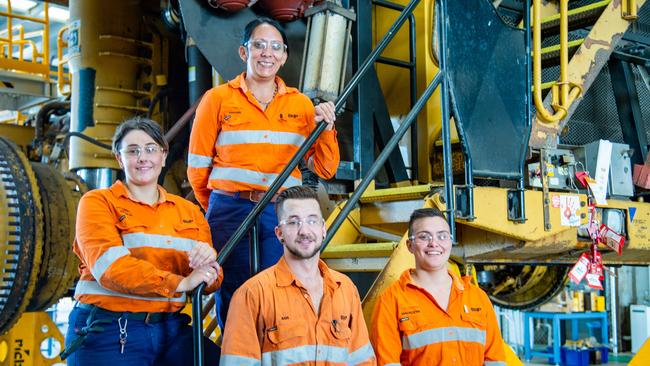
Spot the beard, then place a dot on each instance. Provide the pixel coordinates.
(308, 255)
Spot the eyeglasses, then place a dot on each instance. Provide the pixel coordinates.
(425, 237)
(295, 224)
(277, 47)
(136, 151)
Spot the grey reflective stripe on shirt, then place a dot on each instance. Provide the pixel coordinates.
(494, 363)
(228, 360)
(199, 161)
(439, 335)
(392, 364)
(106, 259)
(140, 240)
(250, 177)
(305, 354)
(94, 288)
(259, 137)
(363, 353)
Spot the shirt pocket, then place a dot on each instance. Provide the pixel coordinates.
(128, 224)
(286, 335)
(188, 230)
(341, 334)
(233, 118)
(475, 337)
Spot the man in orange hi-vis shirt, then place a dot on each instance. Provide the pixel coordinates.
(298, 312)
(244, 134)
(430, 316)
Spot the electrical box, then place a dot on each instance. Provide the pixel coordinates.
(620, 170)
(640, 325)
(560, 168)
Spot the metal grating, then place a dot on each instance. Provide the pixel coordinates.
(597, 117)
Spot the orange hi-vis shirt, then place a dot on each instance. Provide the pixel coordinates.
(410, 328)
(271, 321)
(235, 145)
(133, 255)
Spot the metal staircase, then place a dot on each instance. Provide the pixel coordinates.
(593, 30)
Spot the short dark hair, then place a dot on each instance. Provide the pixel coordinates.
(422, 213)
(294, 193)
(252, 25)
(146, 125)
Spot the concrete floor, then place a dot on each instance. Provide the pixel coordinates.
(620, 359)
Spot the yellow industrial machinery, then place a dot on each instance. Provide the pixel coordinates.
(127, 58)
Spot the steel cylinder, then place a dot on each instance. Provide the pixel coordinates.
(110, 63)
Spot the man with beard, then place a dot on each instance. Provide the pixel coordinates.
(298, 311)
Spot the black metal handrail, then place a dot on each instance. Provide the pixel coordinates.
(251, 218)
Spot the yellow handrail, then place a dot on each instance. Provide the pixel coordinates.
(63, 79)
(563, 92)
(10, 41)
(628, 10)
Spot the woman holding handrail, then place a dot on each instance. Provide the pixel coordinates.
(244, 134)
(141, 249)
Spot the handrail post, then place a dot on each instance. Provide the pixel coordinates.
(444, 109)
(197, 324)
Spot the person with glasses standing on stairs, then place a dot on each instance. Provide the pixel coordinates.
(298, 312)
(141, 249)
(431, 316)
(244, 134)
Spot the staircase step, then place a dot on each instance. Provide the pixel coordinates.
(551, 55)
(578, 18)
(366, 250)
(363, 257)
(396, 194)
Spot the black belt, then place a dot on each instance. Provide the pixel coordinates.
(148, 318)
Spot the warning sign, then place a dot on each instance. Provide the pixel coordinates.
(569, 206)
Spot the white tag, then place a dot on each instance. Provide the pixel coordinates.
(601, 175)
(580, 269)
(593, 280)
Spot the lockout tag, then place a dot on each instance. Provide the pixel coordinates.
(596, 265)
(599, 189)
(580, 269)
(612, 239)
(593, 281)
(581, 177)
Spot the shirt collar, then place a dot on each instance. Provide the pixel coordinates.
(284, 277)
(119, 190)
(406, 280)
(239, 82)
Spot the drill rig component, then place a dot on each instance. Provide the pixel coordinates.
(58, 270)
(21, 235)
(521, 287)
(37, 210)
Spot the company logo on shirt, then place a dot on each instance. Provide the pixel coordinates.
(475, 309)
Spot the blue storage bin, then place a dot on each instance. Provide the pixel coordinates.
(574, 357)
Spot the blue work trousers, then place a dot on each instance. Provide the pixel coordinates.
(225, 214)
(168, 342)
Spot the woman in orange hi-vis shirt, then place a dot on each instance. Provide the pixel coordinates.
(430, 316)
(141, 250)
(244, 134)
